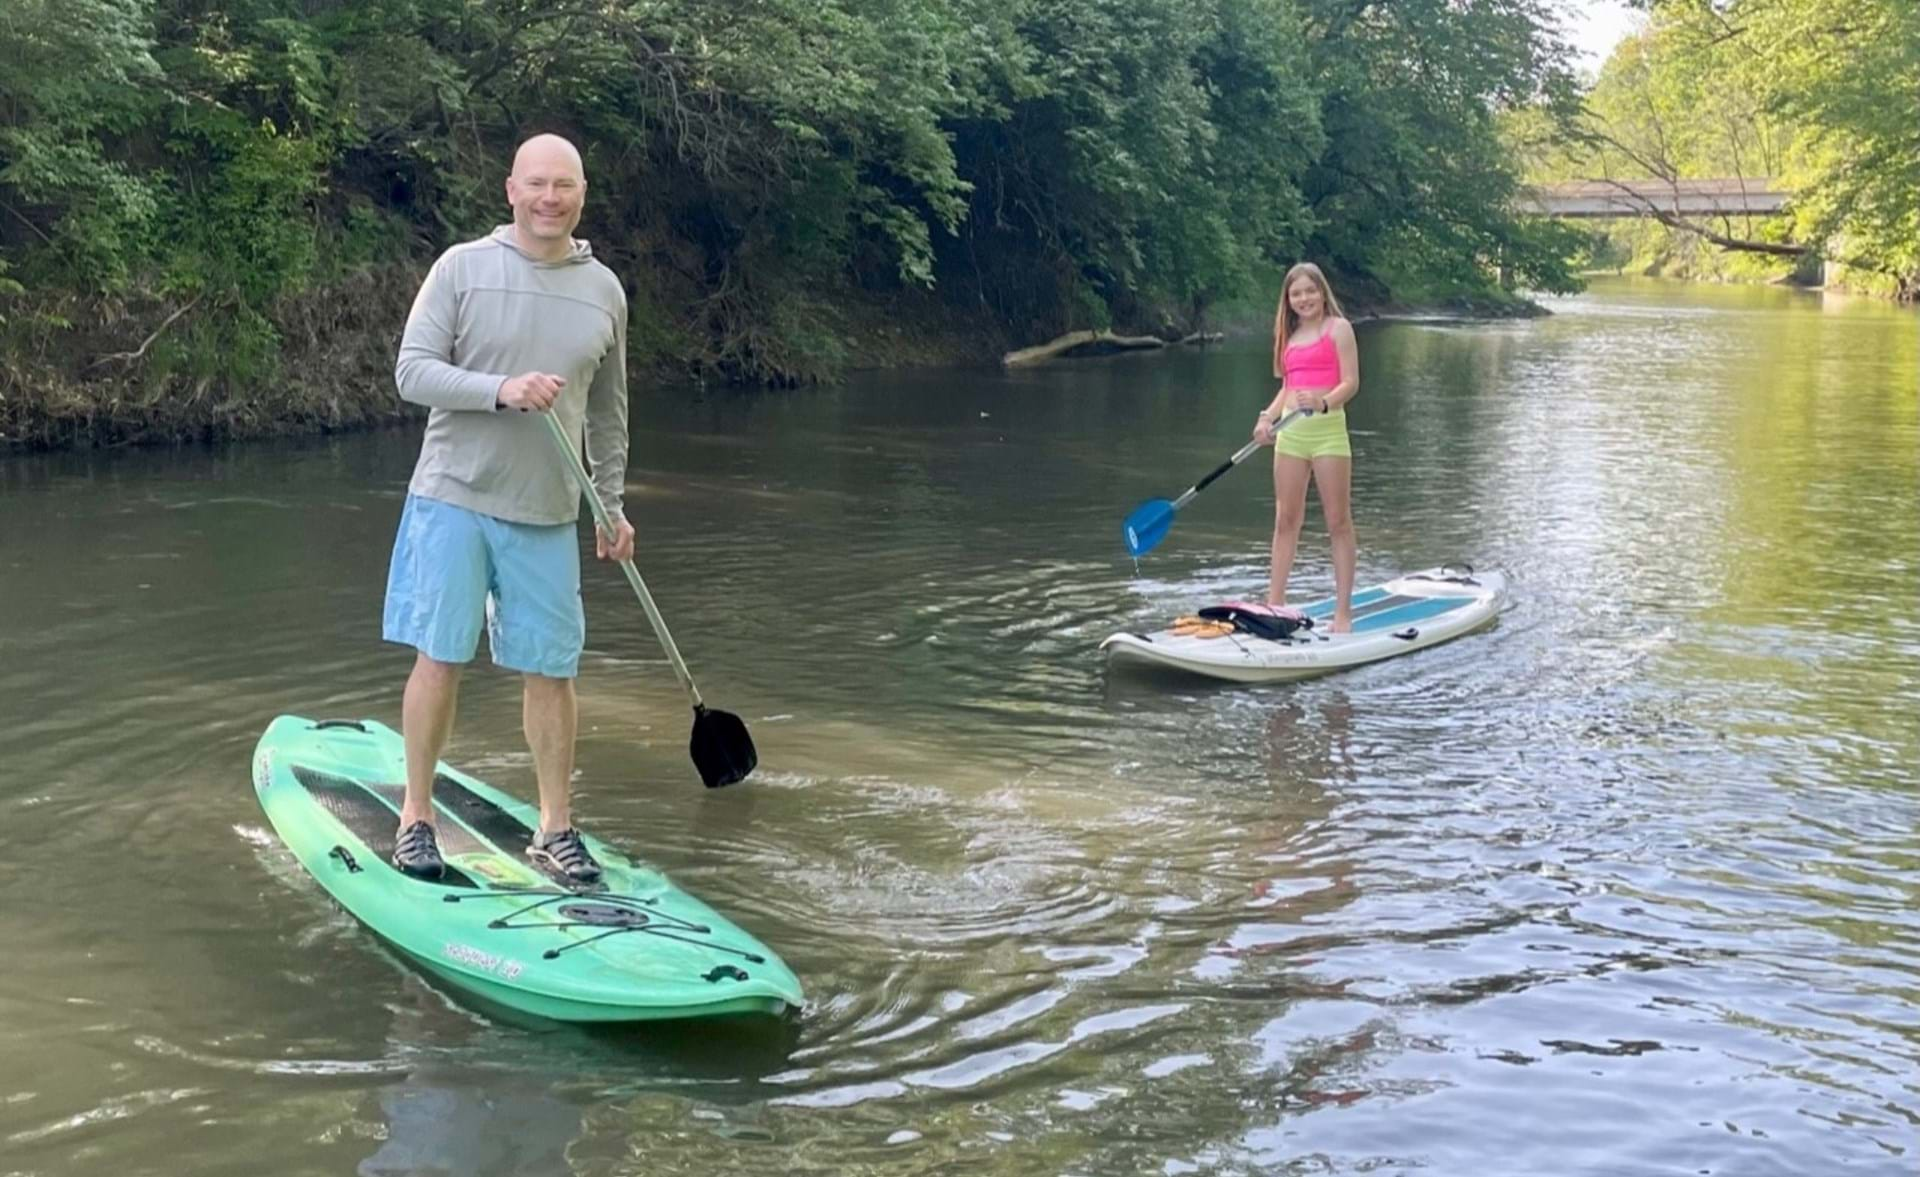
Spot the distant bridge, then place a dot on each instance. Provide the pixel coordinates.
(1750, 196)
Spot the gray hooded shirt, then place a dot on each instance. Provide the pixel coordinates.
(488, 312)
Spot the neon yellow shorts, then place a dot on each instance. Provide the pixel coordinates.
(1323, 435)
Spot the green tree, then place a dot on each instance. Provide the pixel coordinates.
(75, 78)
(1415, 186)
(1136, 159)
(1817, 96)
(1842, 75)
(211, 212)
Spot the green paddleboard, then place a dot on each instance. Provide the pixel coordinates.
(631, 948)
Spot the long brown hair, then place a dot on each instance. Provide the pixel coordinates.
(1284, 320)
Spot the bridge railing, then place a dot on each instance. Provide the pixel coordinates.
(1748, 196)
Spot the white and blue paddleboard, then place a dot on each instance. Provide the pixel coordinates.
(1409, 613)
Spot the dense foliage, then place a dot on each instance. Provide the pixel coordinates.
(212, 214)
(1817, 95)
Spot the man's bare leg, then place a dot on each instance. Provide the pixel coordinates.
(552, 721)
(551, 718)
(426, 722)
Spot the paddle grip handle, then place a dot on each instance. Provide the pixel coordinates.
(604, 522)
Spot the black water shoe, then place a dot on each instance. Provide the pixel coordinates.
(564, 855)
(417, 852)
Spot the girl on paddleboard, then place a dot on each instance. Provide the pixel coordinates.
(1318, 365)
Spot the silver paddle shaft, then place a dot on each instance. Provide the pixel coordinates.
(605, 524)
(1238, 457)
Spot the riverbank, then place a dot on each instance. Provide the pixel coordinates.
(1649, 249)
(120, 376)
(115, 378)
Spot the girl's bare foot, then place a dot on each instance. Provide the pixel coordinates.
(1342, 621)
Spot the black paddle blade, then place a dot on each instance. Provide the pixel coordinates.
(722, 750)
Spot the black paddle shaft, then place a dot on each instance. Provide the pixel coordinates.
(1217, 471)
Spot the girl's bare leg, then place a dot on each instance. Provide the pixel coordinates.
(1289, 508)
(1333, 478)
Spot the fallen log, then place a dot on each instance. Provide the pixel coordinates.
(1102, 342)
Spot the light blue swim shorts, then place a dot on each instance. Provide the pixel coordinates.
(455, 570)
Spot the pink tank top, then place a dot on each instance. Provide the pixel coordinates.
(1311, 366)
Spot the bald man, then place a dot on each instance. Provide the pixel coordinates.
(521, 322)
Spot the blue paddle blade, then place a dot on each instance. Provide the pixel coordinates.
(1147, 526)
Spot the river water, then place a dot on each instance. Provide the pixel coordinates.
(1628, 884)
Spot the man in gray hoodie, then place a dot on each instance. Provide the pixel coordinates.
(521, 322)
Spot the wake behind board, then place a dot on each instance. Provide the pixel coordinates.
(1398, 617)
(631, 948)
